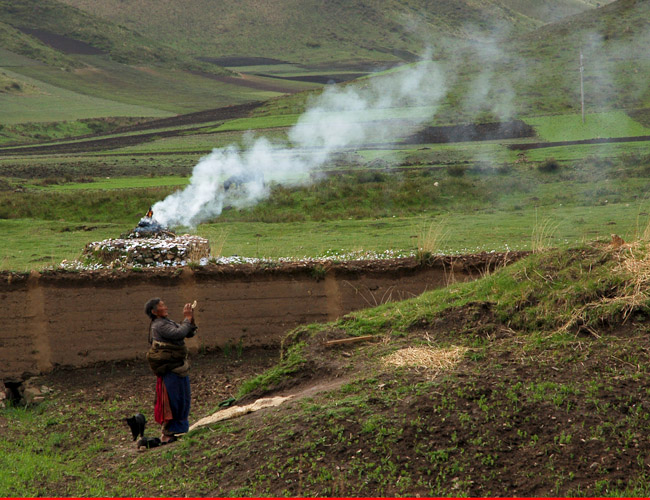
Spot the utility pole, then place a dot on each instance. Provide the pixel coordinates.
(582, 89)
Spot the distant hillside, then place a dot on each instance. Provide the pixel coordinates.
(18, 42)
(53, 33)
(310, 31)
(502, 75)
(501, 59)
(614, 42)
(549, 11)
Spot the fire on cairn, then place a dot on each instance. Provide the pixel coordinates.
(149, 244)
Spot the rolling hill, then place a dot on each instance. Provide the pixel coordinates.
(32, 28)
(312, 32)
(500, 59)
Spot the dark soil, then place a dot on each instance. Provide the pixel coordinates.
(475, 430)
(324, 79)
(242, 61)
(62, 43)
(472, 132)
(215, 376)
(209, 115)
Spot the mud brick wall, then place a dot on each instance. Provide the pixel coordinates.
(77, 319)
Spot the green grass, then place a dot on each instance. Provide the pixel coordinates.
(263, 122)
(343, 32)
(288, 120)
(482, 210)
(36, 244)
(115, 183)
(57, 104)
(34, 463)
(570, 127)
(527, 303)
(579, 152)
(46, 131)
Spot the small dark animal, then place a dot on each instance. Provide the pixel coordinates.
(136, 423)
(149, 442)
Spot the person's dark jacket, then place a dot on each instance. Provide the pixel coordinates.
(166, 330)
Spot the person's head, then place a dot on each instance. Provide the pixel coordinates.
(155, 308)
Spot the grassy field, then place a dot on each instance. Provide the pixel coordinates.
(475, 187)
(348, 213)
(166, 90)
(54, 103)
(571, 128)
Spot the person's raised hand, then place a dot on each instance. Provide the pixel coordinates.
(188, 312)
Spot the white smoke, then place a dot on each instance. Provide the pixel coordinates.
(340, 118)
(490, 90)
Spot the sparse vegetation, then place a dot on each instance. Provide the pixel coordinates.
(549, 166)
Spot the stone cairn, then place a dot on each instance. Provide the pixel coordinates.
(146, 252)
(149, 244)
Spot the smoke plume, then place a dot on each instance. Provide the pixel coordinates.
(339, 118)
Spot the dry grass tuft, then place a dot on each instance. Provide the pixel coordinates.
(543, 235)
(428, 359)
(636, 263)
(218, 243)
(197, 250)
(431, 238)
(645, 236)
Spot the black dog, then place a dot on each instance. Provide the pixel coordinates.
(136, 423)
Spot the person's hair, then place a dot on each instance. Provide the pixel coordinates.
(150, 306)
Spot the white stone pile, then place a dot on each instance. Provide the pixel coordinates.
(148, 252)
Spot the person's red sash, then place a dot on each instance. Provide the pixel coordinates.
(162, 410)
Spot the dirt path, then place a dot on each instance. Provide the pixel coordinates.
(601, 140)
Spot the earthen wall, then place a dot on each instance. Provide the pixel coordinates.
(80, 319)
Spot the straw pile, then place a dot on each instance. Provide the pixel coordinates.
(428, 359)
(636, 263)
(632, 295)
